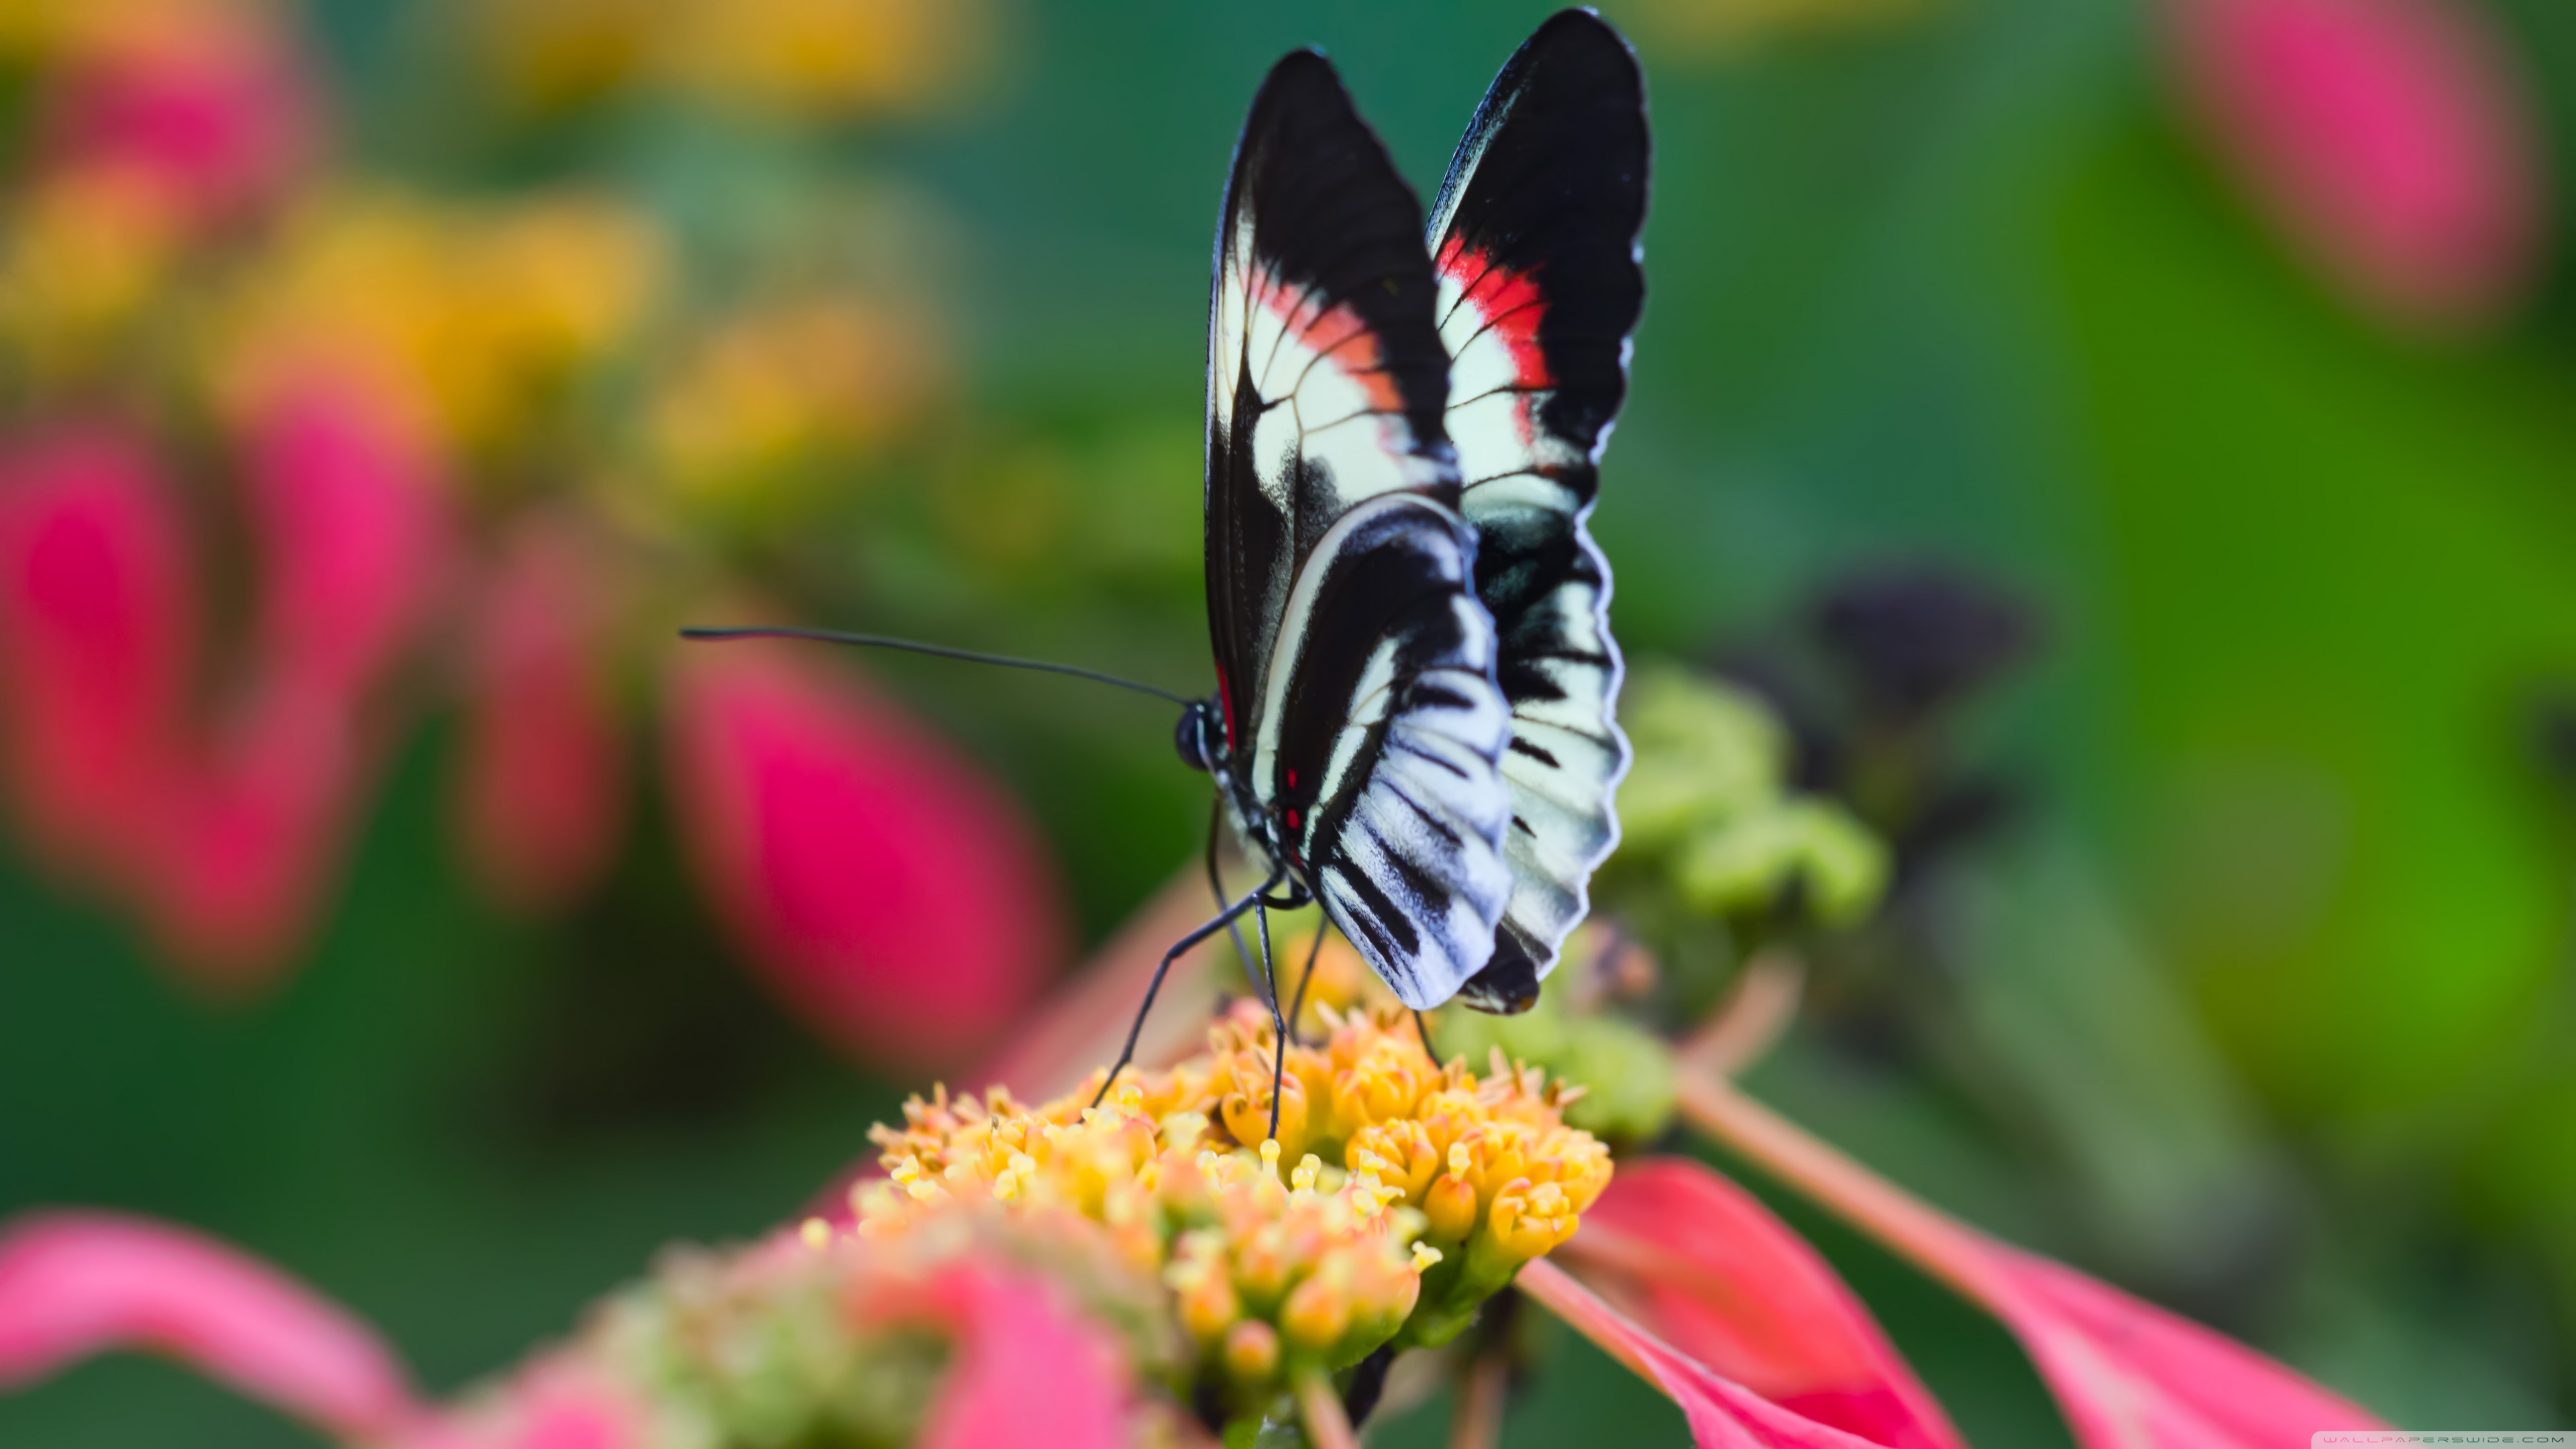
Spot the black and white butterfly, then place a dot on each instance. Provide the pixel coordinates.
(1414, 718)
(1413, 724)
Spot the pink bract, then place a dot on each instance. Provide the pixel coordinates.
(211, 106)
(1709, 1269)
(1722, 1414)
(96, 596)
(2391, 140)
(2128, 1375)
(542, 800)
(352, 531)
(883, 884)
(77, 1284)
(352, 538)
(1028, 1369)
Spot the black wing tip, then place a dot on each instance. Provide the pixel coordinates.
(1307, 62)
(1304, 76)
(1581, 34)
(1583, 20)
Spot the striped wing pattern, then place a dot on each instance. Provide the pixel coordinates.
(1534, 242)
(1363, 720)
(1379, 739)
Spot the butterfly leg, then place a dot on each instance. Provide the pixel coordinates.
(1278, 1024)
(1223, 919)
(1422, 1029)
(1216, 884)
(1297, 1007)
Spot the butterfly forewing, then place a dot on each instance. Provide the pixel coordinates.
(1534, 242)
(1362, 718)
(1326, 376)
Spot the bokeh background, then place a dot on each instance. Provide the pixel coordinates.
(2129, 448)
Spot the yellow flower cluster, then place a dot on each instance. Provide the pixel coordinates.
(766, 391)
(794, 59)
(1398, 1195)
(472, 318)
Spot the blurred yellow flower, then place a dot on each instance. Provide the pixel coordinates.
(81, 256)
(796, 59)
(1720, 27)
(473, 320)
(734, 424)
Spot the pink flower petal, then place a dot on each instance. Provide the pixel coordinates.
(353, 545)
(352, 532)
(542, 804)
(885, 886)
(552, 1405)
(209, 103)
(1711, 1271)
(1027, 1369)
(2391, 139)
(96, 595)
(2129, 1375)
(249, 831)
(76, 1284)
(1723, 1414)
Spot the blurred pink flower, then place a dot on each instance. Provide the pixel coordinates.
(541, 806)
(208, 104)
(77, 1284)
(1026, 1367)
(351, 530)
(96, 598)
(223, 834)
(1029, 1368)
(1707, 1268)
(352, 542)
(548, 1405)
(2390, 139)
(881, 881)
(2127, 1374)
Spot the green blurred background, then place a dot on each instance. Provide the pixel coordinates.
(2257, 998)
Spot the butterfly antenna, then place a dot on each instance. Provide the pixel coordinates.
(915, 646)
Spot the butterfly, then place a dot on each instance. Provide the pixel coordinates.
(1414, 721)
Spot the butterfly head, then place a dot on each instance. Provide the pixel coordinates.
(1196, 736)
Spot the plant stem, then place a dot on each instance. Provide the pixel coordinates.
(1746, 1024)
(1319, 1405)
(1478, 1424)
(1940, 1245)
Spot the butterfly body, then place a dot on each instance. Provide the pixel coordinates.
(1413, 721)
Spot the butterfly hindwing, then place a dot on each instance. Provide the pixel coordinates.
(1534, 241)
(1362, 720)
(1379, 742)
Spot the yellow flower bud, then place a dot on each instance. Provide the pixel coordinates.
(1450, 1206)
(1251, 1351)
(1318, 1311)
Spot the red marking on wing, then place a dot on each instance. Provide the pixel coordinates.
(1510, 304)
(1338, 334)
